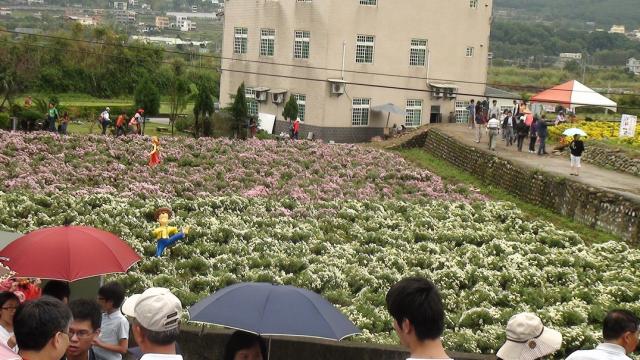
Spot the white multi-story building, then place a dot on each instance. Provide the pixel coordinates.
(120, 5)
(341, 58)
(634, 66)
(185, 24)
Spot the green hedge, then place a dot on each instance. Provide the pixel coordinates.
(4, 121)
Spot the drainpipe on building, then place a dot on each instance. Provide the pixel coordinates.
(344, 49)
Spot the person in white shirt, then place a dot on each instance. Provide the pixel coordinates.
(104, 120)
(418, 317)
(620, 334)
(494, 110)
(493, 125)
(528, 338)
(8, 304)
(156, 326)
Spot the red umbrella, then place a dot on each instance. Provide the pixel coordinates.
(68, 253)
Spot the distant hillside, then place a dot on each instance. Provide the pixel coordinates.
(603, 12)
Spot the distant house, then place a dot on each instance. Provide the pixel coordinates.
(125, 17)
(185, 24)
(120, 5)
(634, 66)
(617, 29)
(503, 97)
(162, 22)
(5, 12)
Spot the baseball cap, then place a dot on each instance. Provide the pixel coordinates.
(528, 339)
(156, 309)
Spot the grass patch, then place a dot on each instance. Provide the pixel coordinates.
(453, 175)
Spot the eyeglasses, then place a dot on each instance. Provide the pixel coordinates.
(81, 334)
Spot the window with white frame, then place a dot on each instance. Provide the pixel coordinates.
(301, 100)
(301, 44)
(240, 37)
(360, 112)
(368, 2)
(252, 104)
(418, 55)
(364, 49)
(303, 1)
(413, 115)
(470, 51)
(473, 4)
(267, 42)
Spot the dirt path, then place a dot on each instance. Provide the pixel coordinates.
(597, 177)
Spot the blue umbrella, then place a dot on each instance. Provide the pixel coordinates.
(273, 310)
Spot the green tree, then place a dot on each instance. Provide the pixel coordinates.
(147, 96)
(178, 90)
(203, 105)
(291, 109)
(573, 67)
(239, 110)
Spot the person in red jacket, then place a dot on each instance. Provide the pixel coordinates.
(296, 129)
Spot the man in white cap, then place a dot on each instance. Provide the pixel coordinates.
(620, 332)
(528, 339)
(157, 323)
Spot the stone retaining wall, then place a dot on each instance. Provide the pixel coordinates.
(595, 208)
(611, 159)
(210, 346)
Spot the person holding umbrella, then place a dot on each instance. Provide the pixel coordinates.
(245, 346)
(577, 148)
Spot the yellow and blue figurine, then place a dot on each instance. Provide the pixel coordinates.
(166, 235)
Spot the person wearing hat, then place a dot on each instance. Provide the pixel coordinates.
(620, 331)
(528, 339)
(156, 324)
(104, 120)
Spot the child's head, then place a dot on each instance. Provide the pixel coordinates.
(154, 139)
(110, 296)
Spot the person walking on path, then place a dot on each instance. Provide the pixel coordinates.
(104, 120)
(577, 148)
(494, 126)
(511, 123)
(522, 130)
(472, 114)
(479, 122)
(494, 110)
(533, 135)
(541, 128)
(296, 129)
(52, 116)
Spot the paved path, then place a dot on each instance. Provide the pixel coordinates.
(595, 176)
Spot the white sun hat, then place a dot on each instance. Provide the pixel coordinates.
(528, 339)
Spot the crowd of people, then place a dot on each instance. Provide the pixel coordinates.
(50, 327)
(518, 124)
(56, 122)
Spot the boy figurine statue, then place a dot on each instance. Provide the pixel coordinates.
(166, 235)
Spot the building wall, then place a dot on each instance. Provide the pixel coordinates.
(449, 29)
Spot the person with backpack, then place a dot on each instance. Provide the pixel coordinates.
(104, 120)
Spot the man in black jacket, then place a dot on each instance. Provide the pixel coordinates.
(577, 148)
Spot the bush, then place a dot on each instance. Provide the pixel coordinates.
(184, 123)
(207, 127)
(4, 121)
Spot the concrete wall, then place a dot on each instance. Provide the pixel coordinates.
(210, 346)
(448, 27)
(592, 207)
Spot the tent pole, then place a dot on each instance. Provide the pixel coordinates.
(269, 351)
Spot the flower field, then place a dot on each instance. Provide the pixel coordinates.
(597, 130)
(345, 221)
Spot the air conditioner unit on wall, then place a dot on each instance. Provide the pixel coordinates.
(437, 93)
(261, 93)
(337, 86)
(277, 98)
